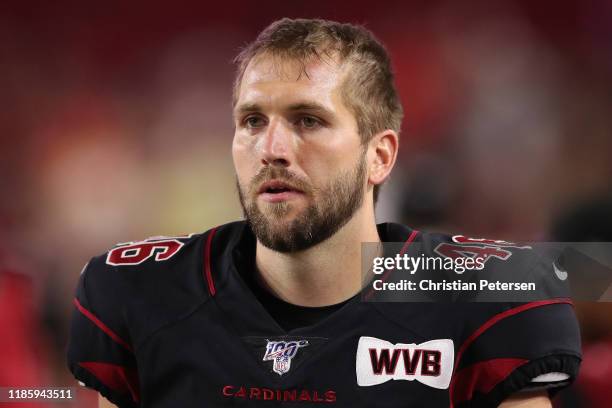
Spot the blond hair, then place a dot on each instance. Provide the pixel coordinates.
(368, 89)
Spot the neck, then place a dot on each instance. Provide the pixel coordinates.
(326, 274)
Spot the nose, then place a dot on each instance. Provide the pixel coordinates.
(277, 145)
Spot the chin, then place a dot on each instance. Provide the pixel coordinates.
(282, 211)
(280, 222)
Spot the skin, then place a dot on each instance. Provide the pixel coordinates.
(315, 145)
(528, 400)
(277, 127)
(103, 403)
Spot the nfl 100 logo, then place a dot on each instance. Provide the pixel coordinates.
(281, 353)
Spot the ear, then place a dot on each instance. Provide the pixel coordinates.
(382, 153)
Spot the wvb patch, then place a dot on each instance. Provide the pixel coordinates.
(379, 361)
(283, 354)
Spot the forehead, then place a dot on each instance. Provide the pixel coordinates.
(276, 80)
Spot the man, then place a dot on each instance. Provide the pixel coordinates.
(271, 311)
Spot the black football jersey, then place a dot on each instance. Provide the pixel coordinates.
(170, 322)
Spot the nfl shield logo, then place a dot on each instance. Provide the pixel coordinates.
(281, 353)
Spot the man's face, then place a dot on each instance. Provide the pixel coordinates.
(300, 164)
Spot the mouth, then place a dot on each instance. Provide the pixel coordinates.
(277, 190)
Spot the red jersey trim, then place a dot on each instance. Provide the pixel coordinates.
(487, 325)
(386, 275)
(484, 376)
(208, 261)
(102, 326)
(118, 378)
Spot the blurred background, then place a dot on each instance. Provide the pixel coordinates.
(115, 125)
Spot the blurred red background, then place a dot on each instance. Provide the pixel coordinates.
(116, 125)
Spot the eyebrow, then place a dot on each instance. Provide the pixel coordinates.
(246, 108)
(313, 107)
(310, 107)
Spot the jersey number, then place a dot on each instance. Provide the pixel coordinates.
(477, 247)
(137, 253)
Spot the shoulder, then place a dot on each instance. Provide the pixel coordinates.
(503, 271)
(162, 274)
(131, 267)
(508, 340)
(454, 245)
(491, 300)
(147, 265)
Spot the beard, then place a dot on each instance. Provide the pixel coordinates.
(331, 207)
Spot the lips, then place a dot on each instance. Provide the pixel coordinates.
(276, 191)
(277, 187)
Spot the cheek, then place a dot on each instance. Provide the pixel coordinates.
(326, 161)
(242, 159)
(236, 151)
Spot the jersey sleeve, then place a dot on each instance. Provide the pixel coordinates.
(99, 351)
(527, 346)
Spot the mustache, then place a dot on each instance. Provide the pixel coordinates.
(280, 174)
